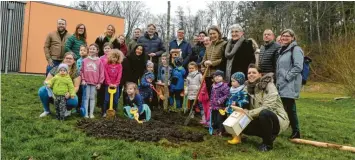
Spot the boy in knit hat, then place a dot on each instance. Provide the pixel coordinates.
(61, 84)
(177, 84)
(145, 88)
(238, 97)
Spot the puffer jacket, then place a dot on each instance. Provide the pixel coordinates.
(177, 79)
(193, 81)
(152, 45)
(215, 53)
(266, 97)
(268, 57)
(73, 44)
(219, 95)
(288, 73)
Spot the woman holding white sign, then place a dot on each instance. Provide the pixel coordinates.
(266, 110)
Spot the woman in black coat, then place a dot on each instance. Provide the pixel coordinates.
(137, 61)
(239, 52)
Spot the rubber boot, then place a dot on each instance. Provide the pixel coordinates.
(235, 140)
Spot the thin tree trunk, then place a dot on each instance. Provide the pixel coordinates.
(344, 19)
(310, 23)
(166, 88)
(318, 31)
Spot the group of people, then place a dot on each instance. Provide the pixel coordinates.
(238, 76)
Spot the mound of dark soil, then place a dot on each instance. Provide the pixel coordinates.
(162, 125)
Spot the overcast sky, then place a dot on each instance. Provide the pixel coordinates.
(158, 6)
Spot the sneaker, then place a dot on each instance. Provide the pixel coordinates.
(45, 113)
(295, 135)
(86, 117)
(92, 116)
(264, 147)
(67, 113)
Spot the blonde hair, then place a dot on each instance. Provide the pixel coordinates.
(115, 53)
(131, 84)
(113, 34)
(193, 64)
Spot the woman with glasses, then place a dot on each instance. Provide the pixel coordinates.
(289, 78)
(46, 97)
(74, 42)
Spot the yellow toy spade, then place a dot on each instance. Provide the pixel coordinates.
(110, 112)
(134, 111)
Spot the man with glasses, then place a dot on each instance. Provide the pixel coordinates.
(185, 47)
(54, 45)
(268, 53)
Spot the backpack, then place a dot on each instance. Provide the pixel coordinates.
(306, 66)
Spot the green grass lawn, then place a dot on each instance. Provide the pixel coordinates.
(25, 135)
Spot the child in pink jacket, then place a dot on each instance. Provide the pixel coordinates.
(113, 74)
(92, 75)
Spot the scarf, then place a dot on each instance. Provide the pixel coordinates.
(251, 86)
(216, 85)
(234, 90)
(229, 54)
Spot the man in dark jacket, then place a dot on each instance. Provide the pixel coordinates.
(133, 43)
(198, 51)
(268, 53)
(185, 47)
(54, 47)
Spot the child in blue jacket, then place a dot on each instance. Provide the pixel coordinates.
(177, 84)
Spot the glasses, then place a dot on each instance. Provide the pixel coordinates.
(69, 58)
(81, 28)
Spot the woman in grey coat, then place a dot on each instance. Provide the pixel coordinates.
(289, 78)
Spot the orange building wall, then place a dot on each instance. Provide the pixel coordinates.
(41, 18)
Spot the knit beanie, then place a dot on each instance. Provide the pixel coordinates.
(218, 73)
(178, 61)
(150, 63)
(149, 75)
(63, 65)
(239, 77)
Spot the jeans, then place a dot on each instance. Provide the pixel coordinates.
(107, 99)
(55, 63)
(178, 98)
(45, 99)
(89, 96)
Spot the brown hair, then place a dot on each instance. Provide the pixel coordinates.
(121, 35)
(252, 65)
(83, 37)
(107, 44)
(289, 31)
(193, 64)
(215, 28)
(115, 53)
(128, 84)
(72, 70)
(84, 46)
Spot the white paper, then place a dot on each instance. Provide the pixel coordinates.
(244, 121)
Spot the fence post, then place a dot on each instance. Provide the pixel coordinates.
(10, 7)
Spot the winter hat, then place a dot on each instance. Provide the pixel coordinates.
(63, 65)
(239, 77)
(149, 75)
(218, 73)
(178, 61)
(149, 63)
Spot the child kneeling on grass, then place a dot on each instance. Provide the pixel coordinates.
(134, 101)
(238, 97)
(61, 84)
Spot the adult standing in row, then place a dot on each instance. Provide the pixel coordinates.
(198, 51)
(289, 78)
(54, 47)
(131, 45)
(268, 53)
(122, 43)
(214, 55)
(137, 62)
(153, 46)
(239, 52)
(74, 42)
(184, 46)
(108, 36)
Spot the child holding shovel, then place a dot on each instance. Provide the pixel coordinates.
(193, 83)
(134, 104)
(113, 74)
